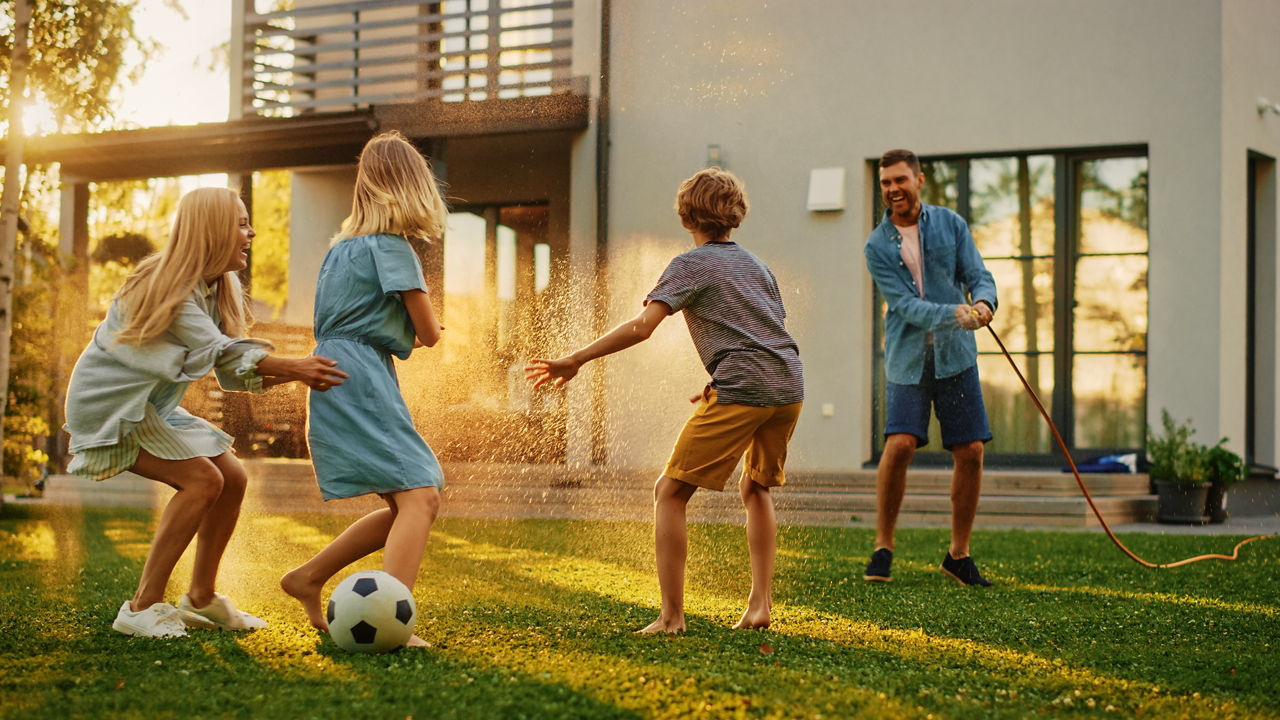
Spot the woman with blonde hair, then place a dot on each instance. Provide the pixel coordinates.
(371, 304)
(180, 314)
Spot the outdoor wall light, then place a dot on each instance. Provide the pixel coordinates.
(826, 189)
(1265, 105)
(714, 158)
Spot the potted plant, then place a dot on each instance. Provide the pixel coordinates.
(1223, 468)
(1178, 470)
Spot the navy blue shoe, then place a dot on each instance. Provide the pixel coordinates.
(878, 568)
(963, 571)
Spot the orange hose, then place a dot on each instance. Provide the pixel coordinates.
(1056, 436)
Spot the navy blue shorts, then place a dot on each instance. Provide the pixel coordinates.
(957, 400)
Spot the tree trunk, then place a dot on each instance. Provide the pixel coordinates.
(9, 202)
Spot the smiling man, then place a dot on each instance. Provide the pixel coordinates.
(938, 291)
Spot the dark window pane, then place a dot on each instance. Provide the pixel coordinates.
(1011, 203)
(941, 186)
(1024, 319)
(1111, 304)
(1113, 206)
(1015, 423)
(1110, 400)
(993, 205)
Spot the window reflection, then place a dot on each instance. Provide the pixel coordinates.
(1109, 318)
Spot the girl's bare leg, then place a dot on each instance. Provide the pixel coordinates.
(362, 537)
(199, 484)
(415, 512)
(216, 528)
(762, 541)
(671, 549)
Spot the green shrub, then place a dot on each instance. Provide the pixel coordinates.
(1222, 465)
(1173, 455)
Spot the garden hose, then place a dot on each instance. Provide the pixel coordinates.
(1079, 481)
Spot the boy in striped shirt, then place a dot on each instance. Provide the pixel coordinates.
(735, 316)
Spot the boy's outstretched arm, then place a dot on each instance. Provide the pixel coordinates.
(633, 331)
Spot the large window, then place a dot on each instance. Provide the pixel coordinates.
(1065, 236)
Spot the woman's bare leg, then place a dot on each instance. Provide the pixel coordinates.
(199, 484)
(216, 528)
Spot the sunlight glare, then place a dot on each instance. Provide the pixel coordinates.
(38, 119)
(34, 543)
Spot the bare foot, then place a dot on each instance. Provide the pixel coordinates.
(308, 594)
(661, 625)
(753, 620)
(415, 641)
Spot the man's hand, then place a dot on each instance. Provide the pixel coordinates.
(558, 371)
(968, 318)
(984, 311)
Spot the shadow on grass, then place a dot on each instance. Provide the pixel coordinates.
(534, 618)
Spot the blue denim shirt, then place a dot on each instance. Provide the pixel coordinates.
(953, 274)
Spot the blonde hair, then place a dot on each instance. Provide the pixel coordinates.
(204, 239)
(395, 192)
(713, 202)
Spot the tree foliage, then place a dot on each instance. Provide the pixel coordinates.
(77, 59)
(271, 246)
(31, 414)
(78, 55)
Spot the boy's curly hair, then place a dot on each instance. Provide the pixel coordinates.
(713, 201)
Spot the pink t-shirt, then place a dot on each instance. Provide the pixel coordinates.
(911, 254)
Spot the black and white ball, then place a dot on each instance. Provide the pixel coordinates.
(371, 612)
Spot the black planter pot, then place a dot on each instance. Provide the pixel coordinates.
(1181, 503)
(1215, 503)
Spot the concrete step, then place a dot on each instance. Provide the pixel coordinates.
(1039, 483)
(491, 490)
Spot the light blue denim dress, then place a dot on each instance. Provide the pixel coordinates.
(361, 436)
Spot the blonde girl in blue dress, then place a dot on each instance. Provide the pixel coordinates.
(179, 315)
(371, 303)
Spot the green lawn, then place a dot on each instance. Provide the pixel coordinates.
(534, 619)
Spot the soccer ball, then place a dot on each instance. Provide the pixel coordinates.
(371, 612)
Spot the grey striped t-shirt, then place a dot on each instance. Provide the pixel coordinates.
(734, 312)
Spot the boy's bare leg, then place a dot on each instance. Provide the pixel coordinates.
(199, 483)
(216, 528)
(671, 547)
(762, 541)
(966, 487)
(362, 537)
(891, 485)
(415, 512)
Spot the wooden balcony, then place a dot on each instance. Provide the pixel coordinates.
(346, 56)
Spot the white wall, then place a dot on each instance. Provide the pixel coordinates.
(786, 87)
(319, 200)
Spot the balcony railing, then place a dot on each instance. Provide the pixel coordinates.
(350, 55)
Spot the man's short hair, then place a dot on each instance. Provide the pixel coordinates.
(893, 157)
(713, 201)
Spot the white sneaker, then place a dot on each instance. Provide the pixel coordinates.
(219, 614)
(159, 620)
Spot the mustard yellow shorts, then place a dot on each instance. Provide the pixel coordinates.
(714, 439)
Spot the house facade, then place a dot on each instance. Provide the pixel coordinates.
(1116, 162)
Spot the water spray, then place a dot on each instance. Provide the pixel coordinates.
(1079, 481)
